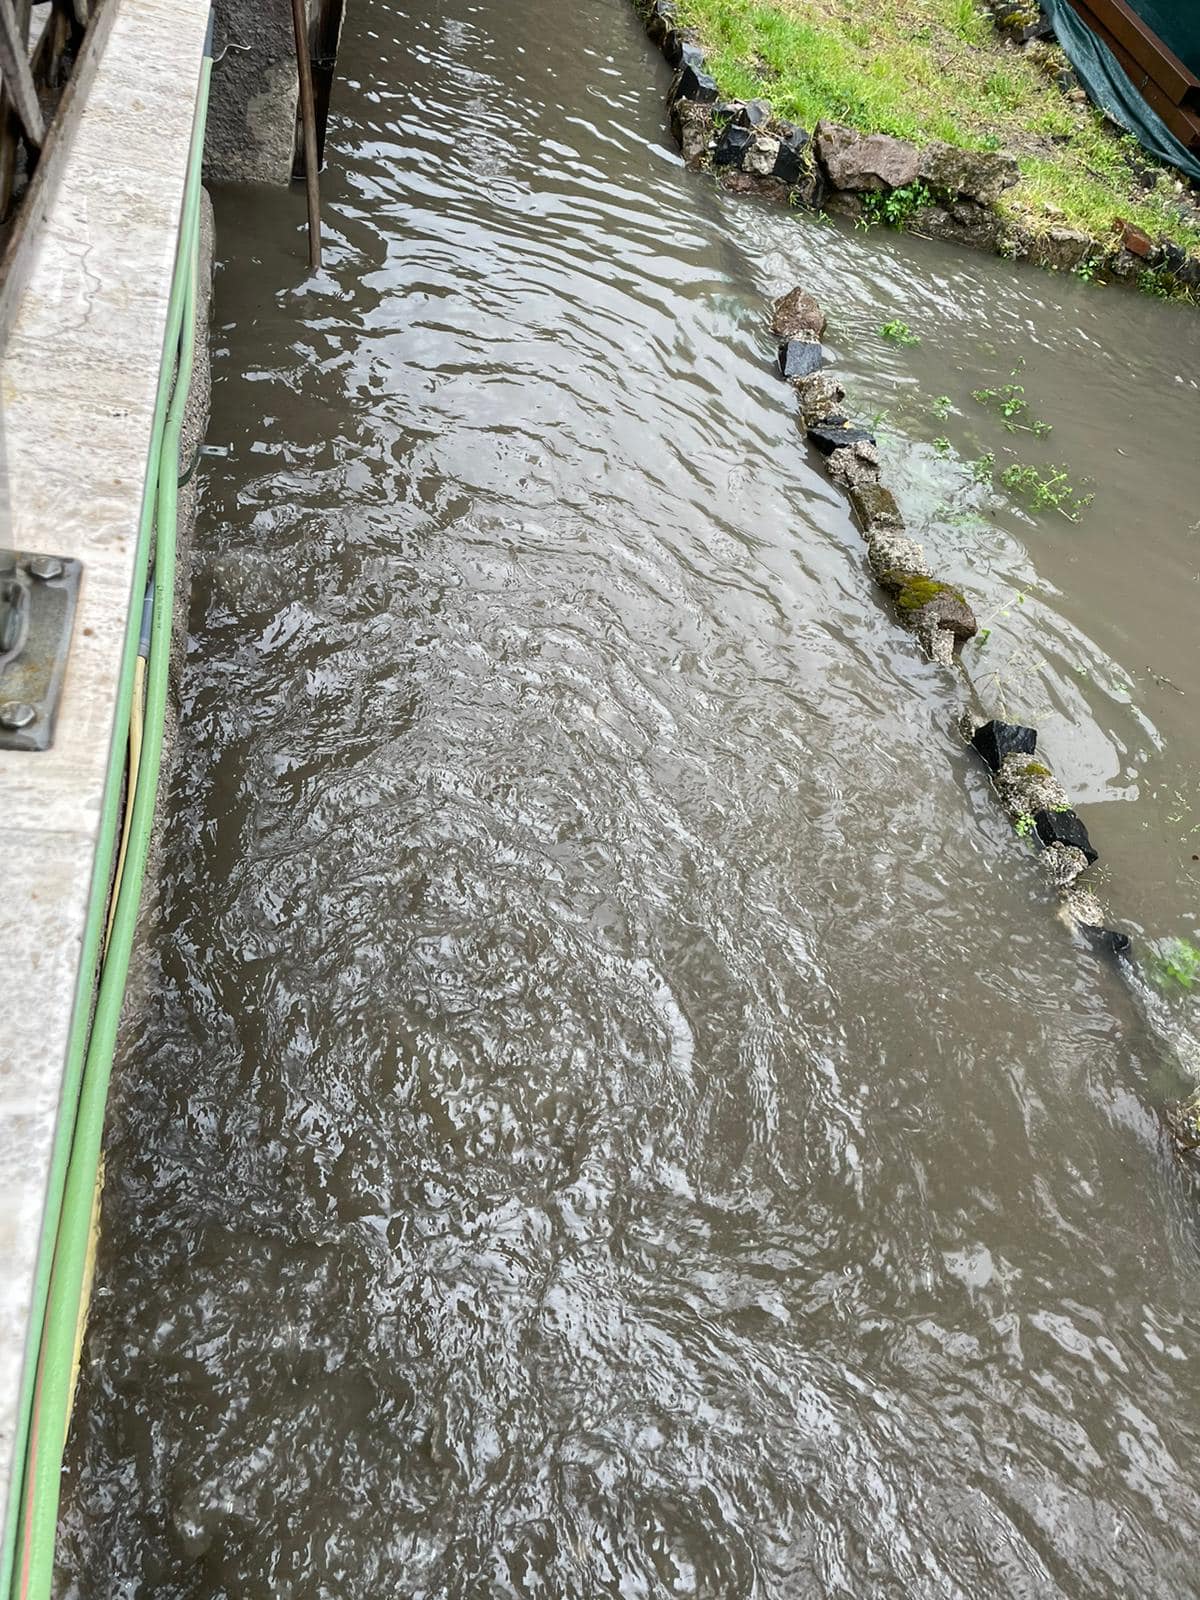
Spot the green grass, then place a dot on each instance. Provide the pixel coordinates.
(936, 69)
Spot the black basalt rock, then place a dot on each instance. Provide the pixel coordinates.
(790, 164)
(693, 83)
(995, 740)
(679, 45)
(835, 433)
(1064, 827)
(660, 20)
(1110, 939)
(798, 358)
(732, 145)
(754, 114)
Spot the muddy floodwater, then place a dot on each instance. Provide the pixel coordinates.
(617, 1112)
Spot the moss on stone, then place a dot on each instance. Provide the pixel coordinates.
(918, 592)
(1035, 769)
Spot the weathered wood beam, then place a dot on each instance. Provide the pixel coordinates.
(18, 79)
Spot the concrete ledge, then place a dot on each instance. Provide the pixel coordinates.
(86, 316)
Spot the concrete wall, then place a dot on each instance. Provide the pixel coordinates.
(255, 90)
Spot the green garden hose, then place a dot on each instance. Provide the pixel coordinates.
(27, 1559)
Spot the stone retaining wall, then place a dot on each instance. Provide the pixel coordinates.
(937, 190)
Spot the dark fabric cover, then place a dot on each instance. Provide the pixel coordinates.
(1105, 80)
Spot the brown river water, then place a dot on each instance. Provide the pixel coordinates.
(617, 1112)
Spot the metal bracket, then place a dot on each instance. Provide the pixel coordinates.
(37, 609)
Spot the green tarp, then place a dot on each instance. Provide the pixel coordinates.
(1108, 86)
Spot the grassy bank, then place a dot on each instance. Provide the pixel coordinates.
(937, 69)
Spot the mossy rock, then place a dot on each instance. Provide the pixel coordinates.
(915, 593)
(927, 604)
(1035, 769)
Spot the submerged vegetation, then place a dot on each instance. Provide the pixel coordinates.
(929, 70)
(898, 332)
(1175, 964)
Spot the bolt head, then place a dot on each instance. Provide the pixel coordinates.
(16, 714)
(46, 567)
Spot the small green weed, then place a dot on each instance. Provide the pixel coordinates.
(897, 206)
(1024, 824)
(898, 332)
(1048, 491)
(941, 407)
(1012, 405)
(982, 469)
(1174, 964)
(942, 446)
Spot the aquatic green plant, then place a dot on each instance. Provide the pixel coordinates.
(898, 332)
(1051, 490)
(1024, 824)
(982, 469)
(941, 407)
(942, 446)
(1012, 405)
(1174, 963)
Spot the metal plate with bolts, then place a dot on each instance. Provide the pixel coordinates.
(37, 609)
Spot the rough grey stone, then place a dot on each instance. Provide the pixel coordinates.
(692, 125)
(1060, 248)
(796, 313)
(760, 159)
(799, 358)
(1064, 863)
(773, 190)
(964, 222)
(853, 464)
(1026, 787)
(979, 174)
(876, 506)
(1084, 906)
(894, 558)
(866, 161)
(820, 395)
(946, 612)
(940, 644)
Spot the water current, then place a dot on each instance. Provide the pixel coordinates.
(617, 1112)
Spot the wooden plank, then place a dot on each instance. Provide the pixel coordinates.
(18, 80)
(1115, 20)
(1182, 120)
(9, 125)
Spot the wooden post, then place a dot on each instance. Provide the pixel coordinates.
(18, 80)
(308, 118)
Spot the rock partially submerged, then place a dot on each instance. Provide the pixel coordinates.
(995, 740)
(1026, 787)
(896, 560)
(797, 314)
(835, 433)
(1064, 863)
(799, 358)
(876, 507)
(854, 464)
(1064, 827)
(692, 125)
(820, 395)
